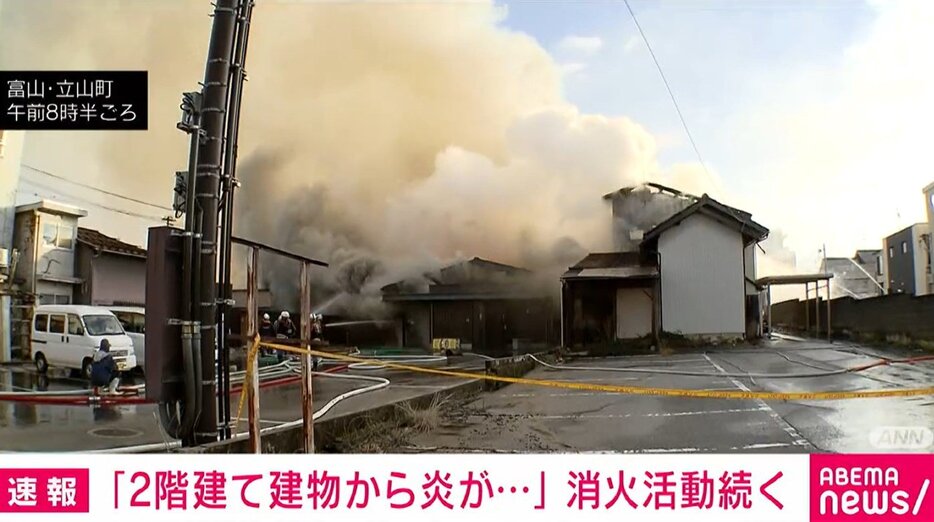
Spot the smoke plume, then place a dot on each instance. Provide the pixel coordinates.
(386, 139)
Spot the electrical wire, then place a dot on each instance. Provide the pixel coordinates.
(92, 187)
(84, 201)
(671, 93)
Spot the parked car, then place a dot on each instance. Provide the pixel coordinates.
(133, 319)
(66, 336)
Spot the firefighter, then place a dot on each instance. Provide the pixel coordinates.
(317, 327)
(317, 337)
(265, 327)
(266, 331)
(284, 327)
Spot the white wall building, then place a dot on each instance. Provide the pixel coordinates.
(702, 278)
(708, 270)
(11, 150)
(693, 275)
(929, 205)
(45, 235)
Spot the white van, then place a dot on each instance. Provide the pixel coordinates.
(133, 319)
(67, 336)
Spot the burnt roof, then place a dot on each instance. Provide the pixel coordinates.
(476, 276)
(486, 264)
(657, 186)
(615, 259)
(724, 214)
(104, 243)
(614, 265)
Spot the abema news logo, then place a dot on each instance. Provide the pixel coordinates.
(871, 488)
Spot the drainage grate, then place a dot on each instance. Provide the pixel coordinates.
(115, 433)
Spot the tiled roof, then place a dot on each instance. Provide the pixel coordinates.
(614, 259)
(472, 276)
(98, 241)
(614, 265)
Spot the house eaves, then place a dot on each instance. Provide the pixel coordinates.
(730, 217)
(104, 243)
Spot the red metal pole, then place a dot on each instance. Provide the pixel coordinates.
(829, 331)
(308, 433)
(252, 313)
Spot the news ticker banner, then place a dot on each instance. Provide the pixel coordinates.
(74, 100)
(714, 487)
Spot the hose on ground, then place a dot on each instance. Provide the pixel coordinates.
(401, 359)
(380, 383)
(744, 375)
(270, 376)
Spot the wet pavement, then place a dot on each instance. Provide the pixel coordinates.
(522, 418)
(43, 427)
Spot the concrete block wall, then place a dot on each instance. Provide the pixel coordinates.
(894, 315)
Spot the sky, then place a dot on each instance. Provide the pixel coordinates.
(812, 115)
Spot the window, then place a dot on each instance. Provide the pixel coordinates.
(57, 323)
(879, 265)
(58, 236)
(49, 234)
(102, 325)
(132, 322)
(891, 252)
(904, 247)
(42, 322)
(66, 237)
(74, 325)
(54, 299)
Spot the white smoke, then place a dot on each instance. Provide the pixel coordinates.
(387, 139)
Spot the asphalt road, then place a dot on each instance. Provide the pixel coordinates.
(42, 427)
(523, 418)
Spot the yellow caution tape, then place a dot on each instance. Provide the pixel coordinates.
(631, 390)
(248, 378)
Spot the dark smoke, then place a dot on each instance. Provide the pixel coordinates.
(305, 220)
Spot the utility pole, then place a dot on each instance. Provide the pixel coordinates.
(228, 184)
(189, 366)
(207, 192)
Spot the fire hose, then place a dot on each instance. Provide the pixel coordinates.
(380, 383)
(271, 376)
(402, 359)
(742, 375)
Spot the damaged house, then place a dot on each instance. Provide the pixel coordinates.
(859, 277)
(685, 265)
(492, 308)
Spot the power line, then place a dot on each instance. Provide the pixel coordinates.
(92, 187)
(85, 201)
(670, 92)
